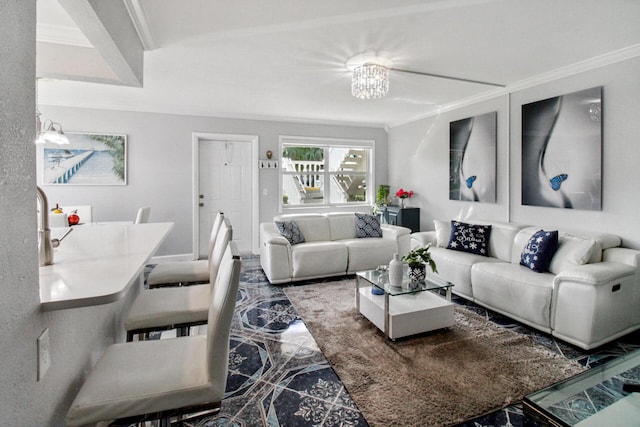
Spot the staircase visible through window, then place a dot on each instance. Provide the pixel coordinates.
(320, 171)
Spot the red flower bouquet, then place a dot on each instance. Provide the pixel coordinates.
(404, 194)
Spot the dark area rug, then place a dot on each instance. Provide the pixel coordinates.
(434, 379)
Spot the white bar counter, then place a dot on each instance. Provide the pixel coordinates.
(98, 263)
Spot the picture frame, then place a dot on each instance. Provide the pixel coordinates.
(88, 159)
(562, 151)
(472, 158)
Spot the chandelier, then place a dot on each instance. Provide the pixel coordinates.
(370, 75)
(370, 81)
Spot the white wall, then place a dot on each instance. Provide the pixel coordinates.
(419, 158)
(160, 163)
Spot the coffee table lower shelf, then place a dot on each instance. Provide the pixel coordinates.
(409, 314)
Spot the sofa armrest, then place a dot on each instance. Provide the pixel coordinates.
(393, 231)
(423, 238)
(595, 303)
(275, 254)
(595, 274)
(401, 235)
(623, 255)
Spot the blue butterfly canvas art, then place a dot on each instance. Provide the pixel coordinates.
(557, 181)
(470, 181)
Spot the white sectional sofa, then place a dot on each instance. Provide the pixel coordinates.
(331, 247)
(589, 296)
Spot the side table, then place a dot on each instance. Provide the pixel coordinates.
(404, 217)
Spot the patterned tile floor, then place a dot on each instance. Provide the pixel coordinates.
(278, 377)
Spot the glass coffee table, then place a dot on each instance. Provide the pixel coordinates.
(597, 397)
(409, 309)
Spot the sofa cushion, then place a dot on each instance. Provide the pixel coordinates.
(455, 267)
(500, 243)
(367, 226)
(537, 254)
(366, 254)
(443, 232)
(342, 225)
(572, 251)
(316, 259)
(514, 290)
(470, 238)
(314, 227)
(603, 241)
(290, 231)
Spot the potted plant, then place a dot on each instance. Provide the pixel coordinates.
(417, 259)
(382, 200)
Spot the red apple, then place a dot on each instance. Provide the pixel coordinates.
(73, 219)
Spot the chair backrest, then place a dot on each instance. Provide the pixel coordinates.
(223, 303)
(142, 216)
(225, 235)
(217, 222)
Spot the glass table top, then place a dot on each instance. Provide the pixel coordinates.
(594, 396)
(380, 279)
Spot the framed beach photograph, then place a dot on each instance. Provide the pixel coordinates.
(472, 158)
(562, 151)
(89, 159)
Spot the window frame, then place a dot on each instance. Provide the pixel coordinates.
(325, 143)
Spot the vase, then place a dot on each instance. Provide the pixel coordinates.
(395, 271)
(402, 203)
(418, 274)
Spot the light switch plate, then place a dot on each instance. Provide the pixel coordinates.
(44, 356)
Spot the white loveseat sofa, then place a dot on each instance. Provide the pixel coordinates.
(331, 247)
(589, 296)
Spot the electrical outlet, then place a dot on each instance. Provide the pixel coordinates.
(44, 356)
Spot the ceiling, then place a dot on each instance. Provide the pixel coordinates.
(286, 59)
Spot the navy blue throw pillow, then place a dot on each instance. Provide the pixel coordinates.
(367, 226)
(539, 250)
(290, 231)
(470, 238)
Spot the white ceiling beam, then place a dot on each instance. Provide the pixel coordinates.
(141, 23)
(108, 27)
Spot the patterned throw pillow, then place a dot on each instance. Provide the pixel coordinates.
(469, 238)
(367, 226)
(539, 250)
(290, 231)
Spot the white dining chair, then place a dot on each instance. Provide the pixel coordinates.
(185, 272)
(142, 217)
(166, 378)
(178, 308)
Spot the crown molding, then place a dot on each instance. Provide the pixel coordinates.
(141, 23)
(604, 60)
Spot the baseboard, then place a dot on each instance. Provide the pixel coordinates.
(171, 258)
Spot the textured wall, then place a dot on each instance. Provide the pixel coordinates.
(78, 336)
(20, 322)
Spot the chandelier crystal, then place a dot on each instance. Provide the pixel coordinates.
(370, 81)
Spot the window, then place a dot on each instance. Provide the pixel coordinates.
(322, 171)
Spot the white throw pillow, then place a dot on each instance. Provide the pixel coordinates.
(443, 232)
(572, 251)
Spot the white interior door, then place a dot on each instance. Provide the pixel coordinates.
(225, 184)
